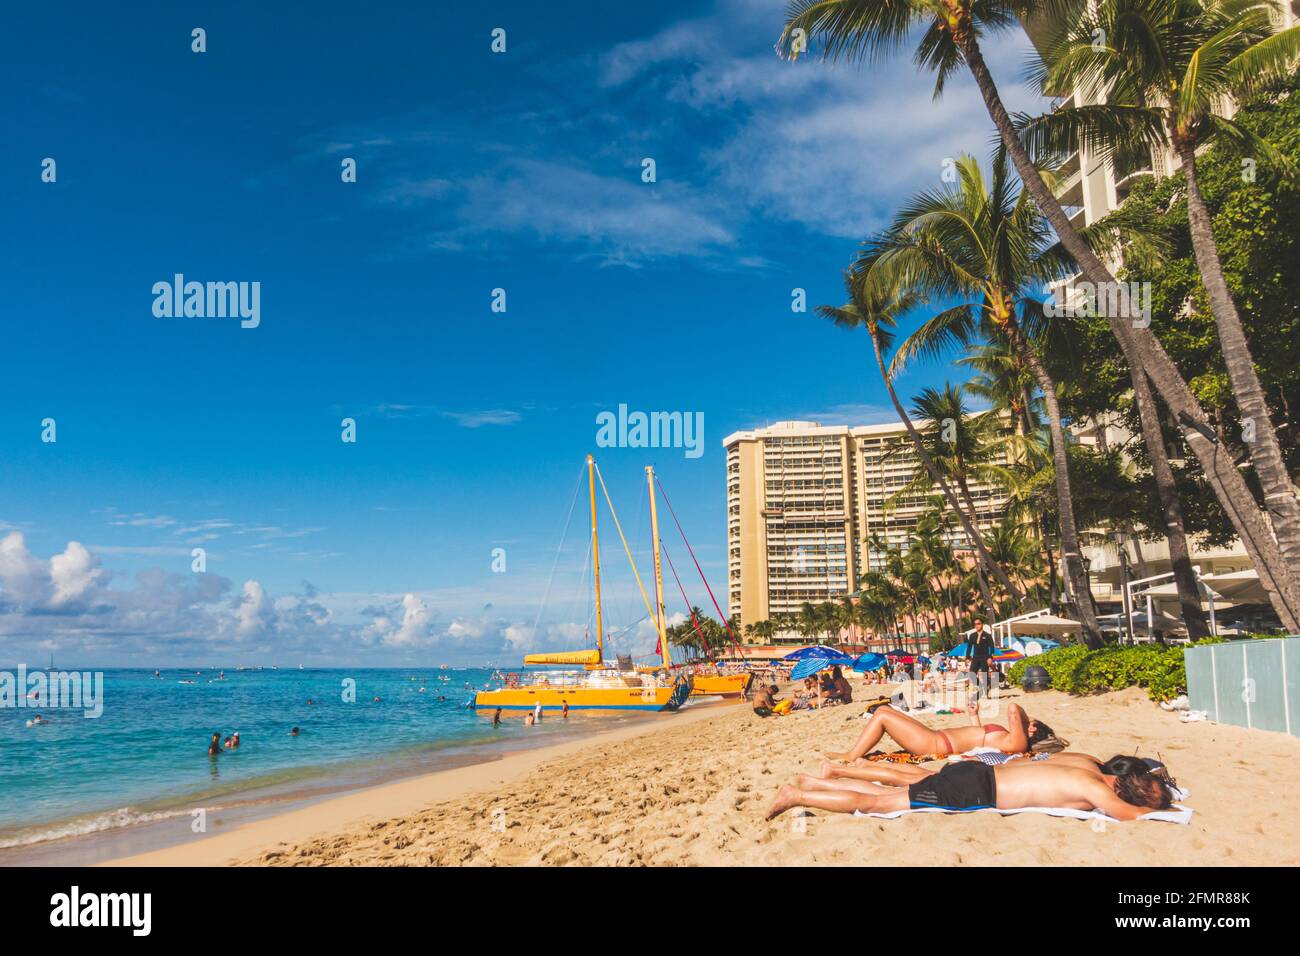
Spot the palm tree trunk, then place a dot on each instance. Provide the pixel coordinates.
(1189, 599)
(1071, 554)
(1142, 350)
(1265, 453)
(971, 531)
(964, 488)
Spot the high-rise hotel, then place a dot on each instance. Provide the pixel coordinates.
(805, 500)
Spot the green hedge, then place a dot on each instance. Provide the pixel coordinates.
(1076, 670)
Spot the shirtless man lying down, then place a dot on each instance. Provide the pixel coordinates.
(971, 785)
(903, 775)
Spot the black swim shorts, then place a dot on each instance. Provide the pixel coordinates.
(969, 785)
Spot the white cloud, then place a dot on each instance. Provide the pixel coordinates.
(487, 416)
(255, 611)
(618, 219)
(74, 574)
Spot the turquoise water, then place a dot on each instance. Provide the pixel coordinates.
(146, 757)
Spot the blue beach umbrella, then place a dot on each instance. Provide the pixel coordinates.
(869, 662)
(818, 651)
(811, 665)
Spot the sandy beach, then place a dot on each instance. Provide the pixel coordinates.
(693, 789)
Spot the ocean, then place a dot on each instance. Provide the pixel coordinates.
(145, 760)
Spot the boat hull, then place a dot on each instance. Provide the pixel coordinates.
(578, 698)
(722, 685)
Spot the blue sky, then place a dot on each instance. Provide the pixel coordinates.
(475, 171)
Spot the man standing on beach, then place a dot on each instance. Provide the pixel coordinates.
(564, 712)
(979, 648)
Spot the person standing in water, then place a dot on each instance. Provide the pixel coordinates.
(496, 718)
(214, 748)
(537, 713)
(564, 709)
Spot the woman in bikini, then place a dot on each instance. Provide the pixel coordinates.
(916, 738)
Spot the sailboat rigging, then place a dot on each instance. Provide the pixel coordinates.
(601, 685)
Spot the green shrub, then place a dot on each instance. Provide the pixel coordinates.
(1076, 670)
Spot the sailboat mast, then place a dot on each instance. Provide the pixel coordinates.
(595, 554)
(660, 620)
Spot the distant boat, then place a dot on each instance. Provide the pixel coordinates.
(600, 685)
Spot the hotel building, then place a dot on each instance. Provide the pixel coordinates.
(804, 502)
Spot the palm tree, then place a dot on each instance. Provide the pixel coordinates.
(875, 306)
(808, 621)
(964, 447)
(1002, 381)
(1165, 72)
(950, 32)
(983, 240)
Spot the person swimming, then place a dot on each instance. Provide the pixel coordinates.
(294, 732)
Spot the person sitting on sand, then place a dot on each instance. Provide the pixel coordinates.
(840, 689)
(916, 738)
(765, 702)
(970, 785)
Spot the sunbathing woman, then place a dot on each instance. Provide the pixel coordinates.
(915, 737)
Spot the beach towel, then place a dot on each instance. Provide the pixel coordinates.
(993, 758)
(1176, 814)
(902, 756)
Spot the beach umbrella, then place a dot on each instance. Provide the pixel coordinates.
(869, 662)
(958, 651)
(1032, 648)
(811, 665)
(1006, 655)
(818, 651)
(896, 652)
(1046, 624)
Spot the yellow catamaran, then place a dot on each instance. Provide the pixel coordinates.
(600, 685)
